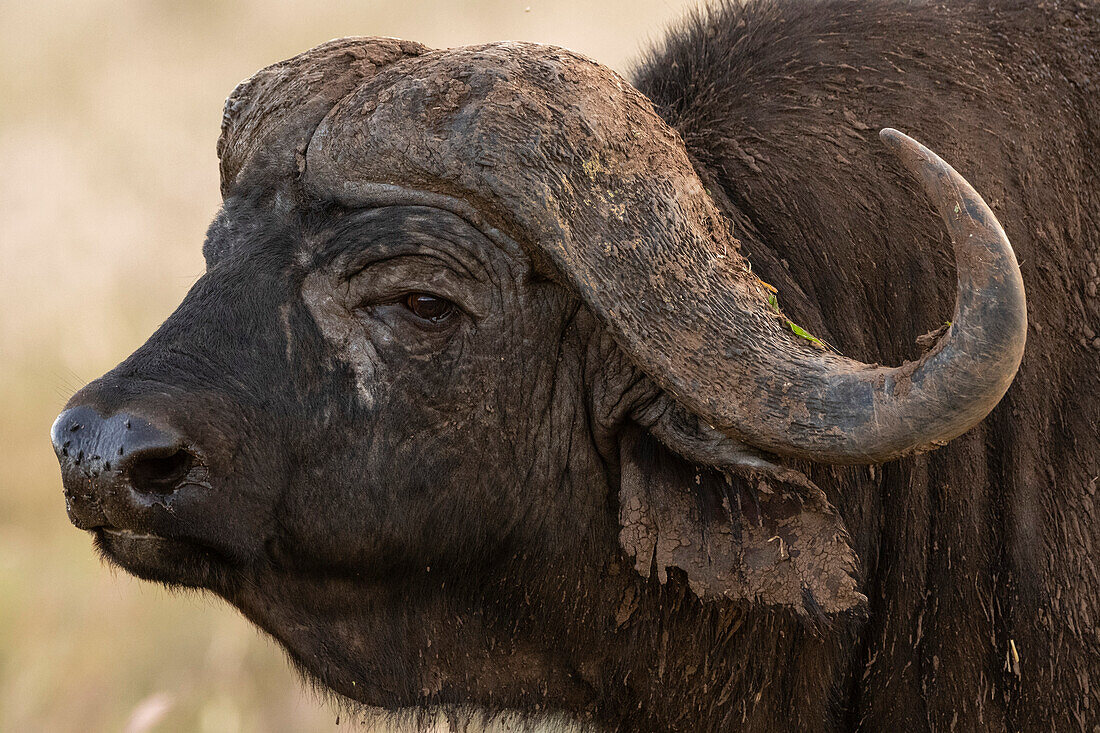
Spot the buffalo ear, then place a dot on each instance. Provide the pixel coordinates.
(770, 537)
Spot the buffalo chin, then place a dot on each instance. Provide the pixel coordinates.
(158, 559)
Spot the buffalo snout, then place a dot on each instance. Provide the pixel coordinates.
(113, 465)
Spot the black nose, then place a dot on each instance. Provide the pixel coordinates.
(102, 454)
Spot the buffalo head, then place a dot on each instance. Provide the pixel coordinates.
(477, 367)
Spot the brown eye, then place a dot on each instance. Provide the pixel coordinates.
(429, 307)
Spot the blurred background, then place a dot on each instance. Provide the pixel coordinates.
(109, 111)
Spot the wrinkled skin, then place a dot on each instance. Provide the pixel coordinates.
(354, 482)
(428, 513)
(349, 455)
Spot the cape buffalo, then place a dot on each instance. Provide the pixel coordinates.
(516, 385)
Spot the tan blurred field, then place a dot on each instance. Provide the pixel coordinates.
(108, 116)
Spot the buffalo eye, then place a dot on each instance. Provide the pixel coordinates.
(429, 307)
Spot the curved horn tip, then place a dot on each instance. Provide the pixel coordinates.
(909, 150)
(947, 189)
(890, 136)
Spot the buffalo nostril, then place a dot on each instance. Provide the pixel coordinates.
(119, 450)
(159, 472)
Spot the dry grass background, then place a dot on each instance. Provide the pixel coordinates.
(109, 111)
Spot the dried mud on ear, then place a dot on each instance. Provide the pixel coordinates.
(755, 539)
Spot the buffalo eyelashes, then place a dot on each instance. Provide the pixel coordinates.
(428, 307)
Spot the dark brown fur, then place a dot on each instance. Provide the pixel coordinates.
(988, 544)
